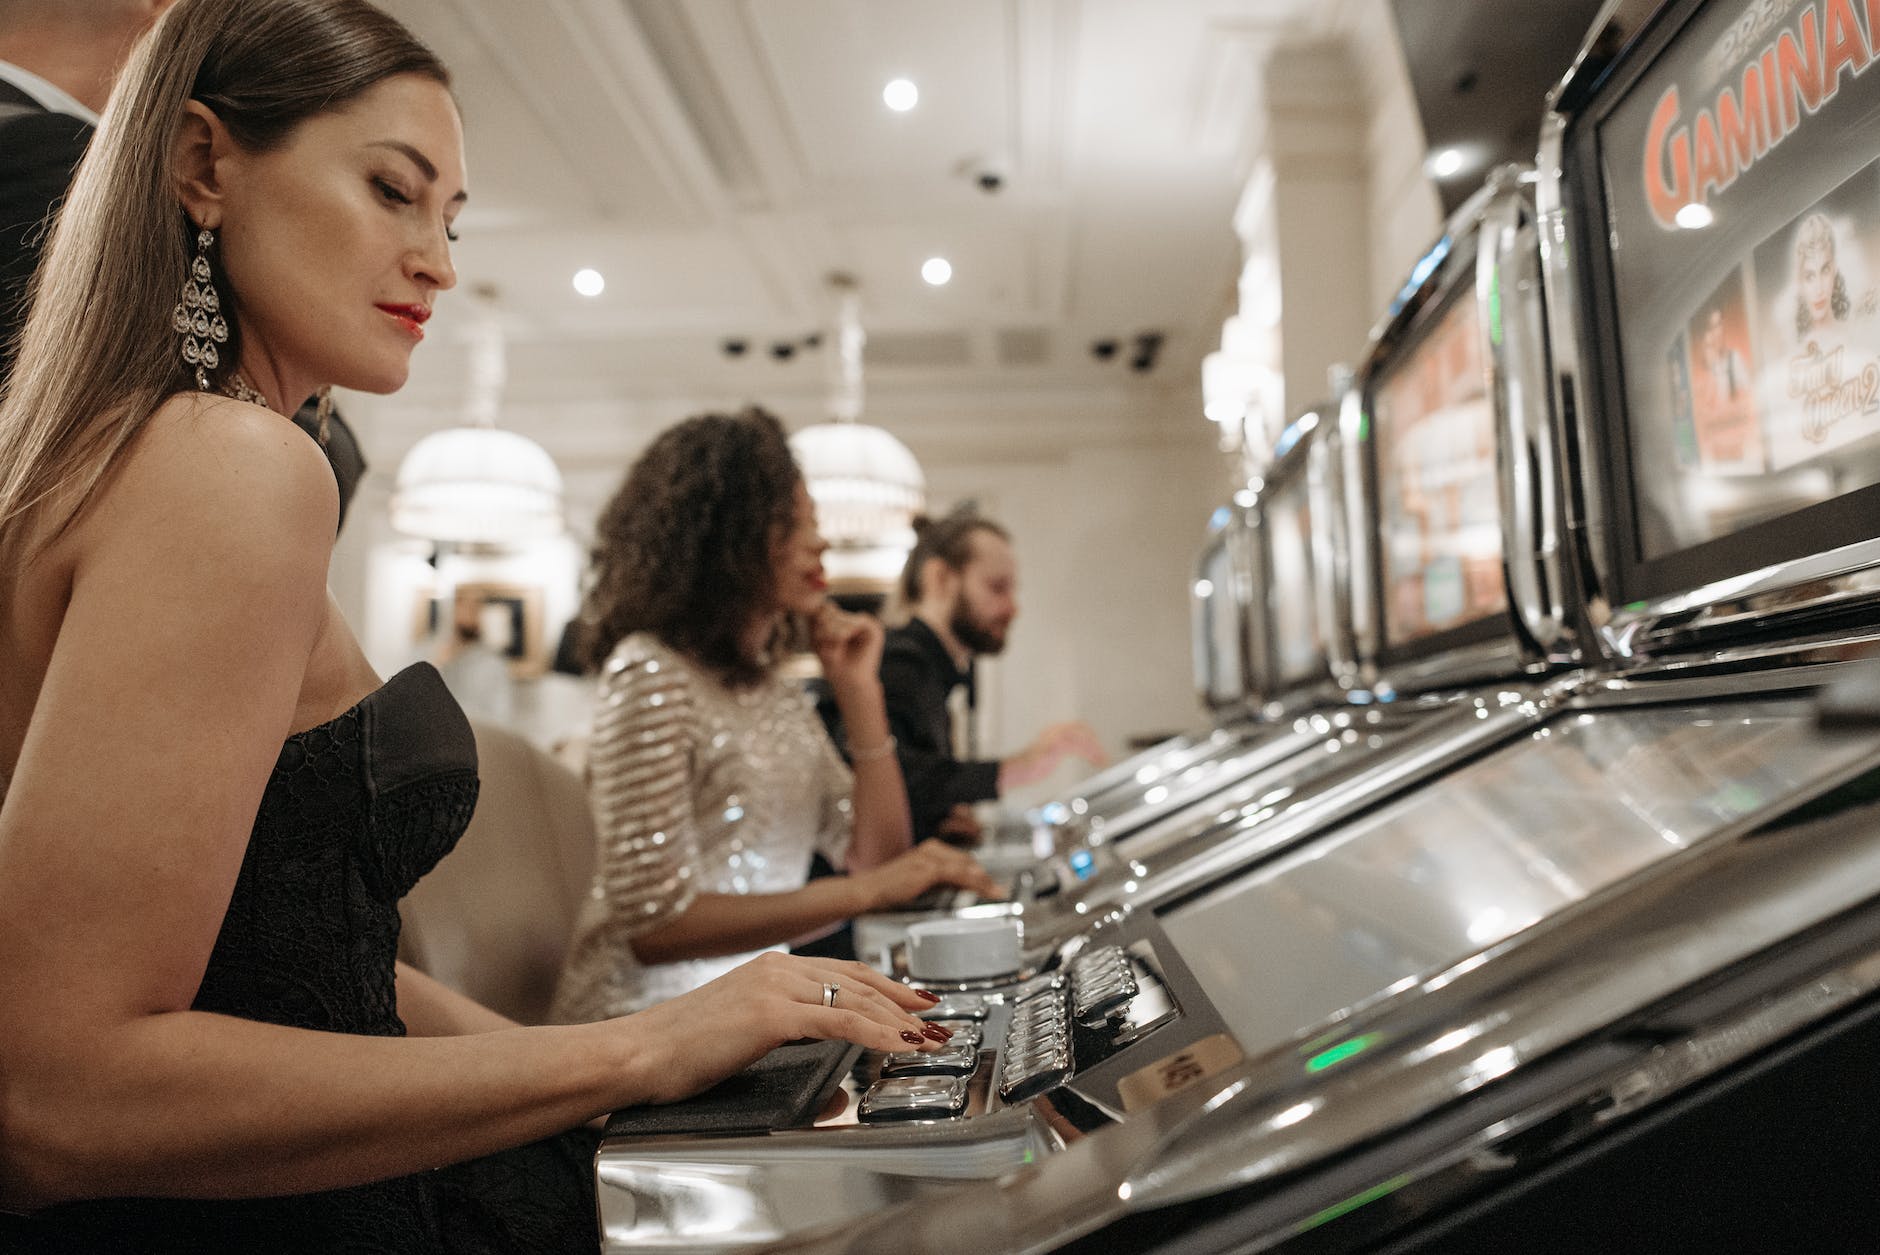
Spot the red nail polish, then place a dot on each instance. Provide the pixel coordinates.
(910, 1037)
(928, 994)
(934, 1032)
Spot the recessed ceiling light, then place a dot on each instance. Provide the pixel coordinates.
(936, 270)
(1447, 163)
(1695, 217)
(900, 95)
(590, 282)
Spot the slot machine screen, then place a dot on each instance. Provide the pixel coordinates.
(1438, 493)
(1736, 300)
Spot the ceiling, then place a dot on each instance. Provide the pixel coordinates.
(1481, 71)
(718, 160)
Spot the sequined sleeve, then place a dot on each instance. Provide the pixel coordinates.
(639, 779)
(836, 831)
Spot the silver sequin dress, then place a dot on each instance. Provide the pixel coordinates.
(696, 788)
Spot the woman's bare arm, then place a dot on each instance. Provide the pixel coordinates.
(431, 1008)
(198, 592)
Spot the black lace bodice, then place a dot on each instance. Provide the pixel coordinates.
(355, 811)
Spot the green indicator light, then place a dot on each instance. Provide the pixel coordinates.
(1636, 605)
(1364, 427)
(1030, 1155)
(1494, 307)
(1353, 1203)
(1741, 798)
(1339, 1053)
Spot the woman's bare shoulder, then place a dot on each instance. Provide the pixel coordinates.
(226, 473)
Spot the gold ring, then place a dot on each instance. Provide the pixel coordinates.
(830, 989)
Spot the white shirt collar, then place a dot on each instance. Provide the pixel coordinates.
(54, 98)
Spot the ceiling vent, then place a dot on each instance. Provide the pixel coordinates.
(913, 349)
(1024, 346)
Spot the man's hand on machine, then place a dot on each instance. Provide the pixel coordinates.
(691, 1042)
(1074, 739)
(906, 876)
(960, 826)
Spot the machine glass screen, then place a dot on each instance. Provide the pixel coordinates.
(1475, 857)
(1300, 646)
(1745, 256)
(1436, 481)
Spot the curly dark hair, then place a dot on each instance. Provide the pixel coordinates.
(684, 549)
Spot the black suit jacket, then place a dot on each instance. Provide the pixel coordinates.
(39, 150)
(916, 677)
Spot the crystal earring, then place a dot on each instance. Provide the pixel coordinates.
(323, 414)
(198, 316)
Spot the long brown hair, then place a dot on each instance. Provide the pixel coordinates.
(98, 355)
(685, 548)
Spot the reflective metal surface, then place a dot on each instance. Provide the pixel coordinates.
(1604, 1007)
(1577, 804)
(1342, 762)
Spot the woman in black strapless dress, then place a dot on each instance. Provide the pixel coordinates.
(209, 806)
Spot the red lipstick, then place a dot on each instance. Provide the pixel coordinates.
(411, 317)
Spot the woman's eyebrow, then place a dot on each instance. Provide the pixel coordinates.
(418, 159)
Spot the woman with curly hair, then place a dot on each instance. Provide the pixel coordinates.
(712, 779)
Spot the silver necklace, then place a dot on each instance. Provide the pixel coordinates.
(239, 388)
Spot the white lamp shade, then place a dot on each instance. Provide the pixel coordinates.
(477, 485)
(867, 488)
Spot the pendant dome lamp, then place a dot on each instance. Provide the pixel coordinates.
(478, 484)
(866, 484)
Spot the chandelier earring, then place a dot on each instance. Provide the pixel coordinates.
(198, 316)
(323, 414)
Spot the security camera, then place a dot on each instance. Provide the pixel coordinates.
(989, 181)
(1148, 347)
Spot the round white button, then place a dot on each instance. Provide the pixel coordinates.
(962, 949)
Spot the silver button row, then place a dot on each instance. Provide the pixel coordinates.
(1037, 1049)
(1101, 981)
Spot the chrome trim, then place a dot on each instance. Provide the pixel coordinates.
(1230, 539)
(1507, 287)
(1300, 465)
(1587, 528)
(1465, 664)
(1606, 42)
(1125, 770)
(686, 1193)
(1331, 547)
(1849, 579)
(1361, 538)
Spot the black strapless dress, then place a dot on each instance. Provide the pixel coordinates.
(356, 810)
